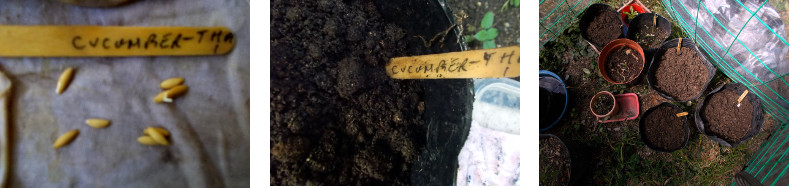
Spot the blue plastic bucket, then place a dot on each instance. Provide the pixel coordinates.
(553, 88)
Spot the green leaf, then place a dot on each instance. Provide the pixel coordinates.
(492, 33)
(487, 34)
(488, 44)
(481, 35)
(516, 3)
(487, 21)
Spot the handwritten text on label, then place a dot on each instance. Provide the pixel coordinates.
(500, 62)
(165, 41)
(103, 41)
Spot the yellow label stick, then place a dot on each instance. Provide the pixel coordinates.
(489, 63)
(98, 41)
(742, 96)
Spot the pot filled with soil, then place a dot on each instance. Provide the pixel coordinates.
(553, 99)
(722, 118)
(338, 119)
(621, 61)
(600, 25)
(679, 75)
(649, 30)
(603, 104)
(554, 161)
(662, 130)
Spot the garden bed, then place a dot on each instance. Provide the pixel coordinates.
(613, 153)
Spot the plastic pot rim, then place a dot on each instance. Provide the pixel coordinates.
(597, 96)
(686, 42)
(757, 121)
(660, 19)
(642, 131)
(566, 97)
(586, 19)
(609, 48)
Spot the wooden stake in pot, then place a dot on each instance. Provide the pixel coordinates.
(742, 96)
(682, 114)
(679, 44)
(654, 20)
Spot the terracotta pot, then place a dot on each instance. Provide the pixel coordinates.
(614, 108)
(602, 60)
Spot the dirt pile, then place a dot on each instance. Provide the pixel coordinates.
(336, 117)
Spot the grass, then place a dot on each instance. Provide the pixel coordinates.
(687, 166)
(623, 158)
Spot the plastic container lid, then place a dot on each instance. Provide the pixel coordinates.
(497, 104)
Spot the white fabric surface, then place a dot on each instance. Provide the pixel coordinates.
(209, 125)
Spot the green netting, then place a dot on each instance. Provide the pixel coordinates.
(556, 15)
(719, 32)
(747, 42)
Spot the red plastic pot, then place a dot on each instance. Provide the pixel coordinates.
(637, 6)
(613, 110)
(602, 60)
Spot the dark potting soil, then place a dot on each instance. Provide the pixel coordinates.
(603, 105)
(681, 75)
(722, 117)
(336, 117)
(664, 129)
(649, 35)
(624, 64)
(554, 163)
(604, 28)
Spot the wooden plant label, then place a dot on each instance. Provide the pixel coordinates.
(682, 114)
(679, 44)
(654, 20)
(98, 41)
(489, 63)
(742, 96)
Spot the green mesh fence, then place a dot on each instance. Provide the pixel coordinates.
(720, 36)
(747, 42)
(556, 15)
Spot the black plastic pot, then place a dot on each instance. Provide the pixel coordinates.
(593, 11)
(672, 44)
(566, 153)
(643, 132)
(756, 122)
(643, 22)
(448, 102)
